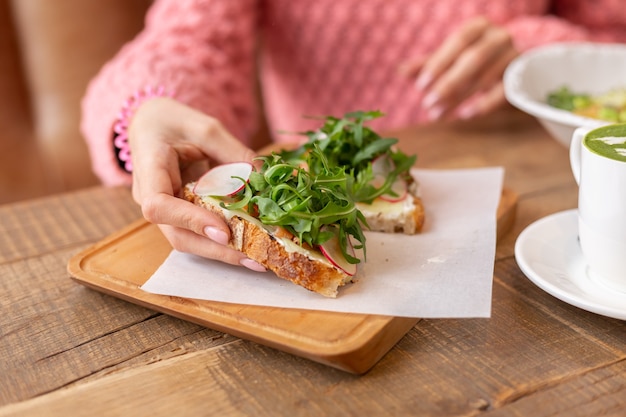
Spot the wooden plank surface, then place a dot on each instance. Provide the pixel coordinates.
(67, 350)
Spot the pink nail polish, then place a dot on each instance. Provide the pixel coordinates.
(435, 113)
(423, 81)
(429, 100)
(216, 235)
(466, 113)
(253, 265)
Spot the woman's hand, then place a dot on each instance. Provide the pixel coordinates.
(463, 77)
(172, 144)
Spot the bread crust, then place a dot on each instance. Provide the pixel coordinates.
(259, 245)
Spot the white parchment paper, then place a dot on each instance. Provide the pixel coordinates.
(444, 272)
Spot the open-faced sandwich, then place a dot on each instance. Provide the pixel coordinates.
(303, 214)
(385, 191)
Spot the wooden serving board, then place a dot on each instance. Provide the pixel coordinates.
(122, 262)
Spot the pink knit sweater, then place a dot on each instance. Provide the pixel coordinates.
(315, 57)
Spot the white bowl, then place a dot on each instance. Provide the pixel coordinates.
(583, 67)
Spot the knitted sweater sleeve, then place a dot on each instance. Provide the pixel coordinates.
(571, 20)
(201, 50)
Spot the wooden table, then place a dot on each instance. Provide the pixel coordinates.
(69, 350)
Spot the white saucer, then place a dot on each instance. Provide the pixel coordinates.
(548, 253)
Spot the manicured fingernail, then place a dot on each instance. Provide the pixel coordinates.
(429, 100)
(216, 235)
(423, 80)
(250, 264)
(466, 112)
(435, 113)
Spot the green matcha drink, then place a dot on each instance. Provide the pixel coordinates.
(608, 141)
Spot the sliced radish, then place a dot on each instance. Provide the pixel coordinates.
(381, 167)
(378, 181)
(399, 187)
(332, 251)
(224, 180)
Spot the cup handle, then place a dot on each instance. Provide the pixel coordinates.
(574, 151)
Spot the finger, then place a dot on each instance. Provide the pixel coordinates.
(447, 53)
(162, 208)
(485, 103)
(482, 58)
(479, 68)
(411, 67)
(493, 74)
(489, 82)
(155, 170)
(186, 241)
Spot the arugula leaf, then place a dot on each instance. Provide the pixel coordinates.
(373, 149)
(348, 143)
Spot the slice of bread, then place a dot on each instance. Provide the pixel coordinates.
(288, 260)
(404, 216)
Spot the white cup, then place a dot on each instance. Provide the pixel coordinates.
(600, 172)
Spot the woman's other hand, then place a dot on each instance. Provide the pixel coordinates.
(463, 77)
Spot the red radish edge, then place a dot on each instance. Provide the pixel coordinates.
(224, 180)
(332, 251)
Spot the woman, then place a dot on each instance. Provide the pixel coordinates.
(415, 60)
